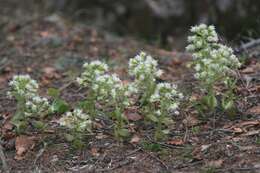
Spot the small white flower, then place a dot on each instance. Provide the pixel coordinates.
(158, 112)
(158, 73)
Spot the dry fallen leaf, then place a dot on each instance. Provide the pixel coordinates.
(252, 133)
(44, 34)
(254, 110)
(191, 121)
(101, 136)
(22, 145)
(94, 151)
(132, 114)
(248, 70)
(238, 130)
(175, 142)
(215, 163)
(205, 147)
(250, 123)
(135, 139)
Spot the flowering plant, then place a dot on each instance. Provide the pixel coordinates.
(29, 103)
(164, 101)
(112, 93)
(157, 100)
(108, 90)
(91, 72)
(78, 122)
(213, 62)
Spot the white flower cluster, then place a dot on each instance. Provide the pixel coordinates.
(168, 97)
(212, 60)
(23, 86)
(76, 120)
(25, 89)
(143, 67)
(91, 71)
(107, 85)
(203, 35)
(104, 85)
(36, 106)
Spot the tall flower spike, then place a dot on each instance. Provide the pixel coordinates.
(212, 60)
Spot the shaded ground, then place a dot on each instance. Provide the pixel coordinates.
(52, 49)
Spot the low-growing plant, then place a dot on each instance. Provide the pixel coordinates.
(154, 147)
(79, 123)
(91, 71)
(214, 63)
(158, 101)
(29, 104)
(113, 96)
(108, 91)
(163, 103)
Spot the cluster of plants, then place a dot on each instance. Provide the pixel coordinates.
(107, 95)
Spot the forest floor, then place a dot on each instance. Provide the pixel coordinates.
(52, 50)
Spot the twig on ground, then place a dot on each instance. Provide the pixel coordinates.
(3, 63)
(40, 153)
(155, 158)
(3, 159)
(248, 45)
(185, 138)
(125, 162)
(239, 169)
(66, 85)
(134, 151)
(189, 164)
(164, 144)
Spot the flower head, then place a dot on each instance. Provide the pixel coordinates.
(212, 61)
(23, 86)
(91, 71)
(76, 120)
(167, 95)
(143, 66)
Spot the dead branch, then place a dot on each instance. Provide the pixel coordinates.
(249, 45)
(3, 159)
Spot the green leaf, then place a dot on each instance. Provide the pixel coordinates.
(212, 102)
(228, 105)
(53, 92)
(151, 146)
(59, 106)
(166, 131)
(167, 121)
(152, 117)
(123, 132)
(69, 137)
(82, 104)
(20, 125)
(78, 144)
(39, 124)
